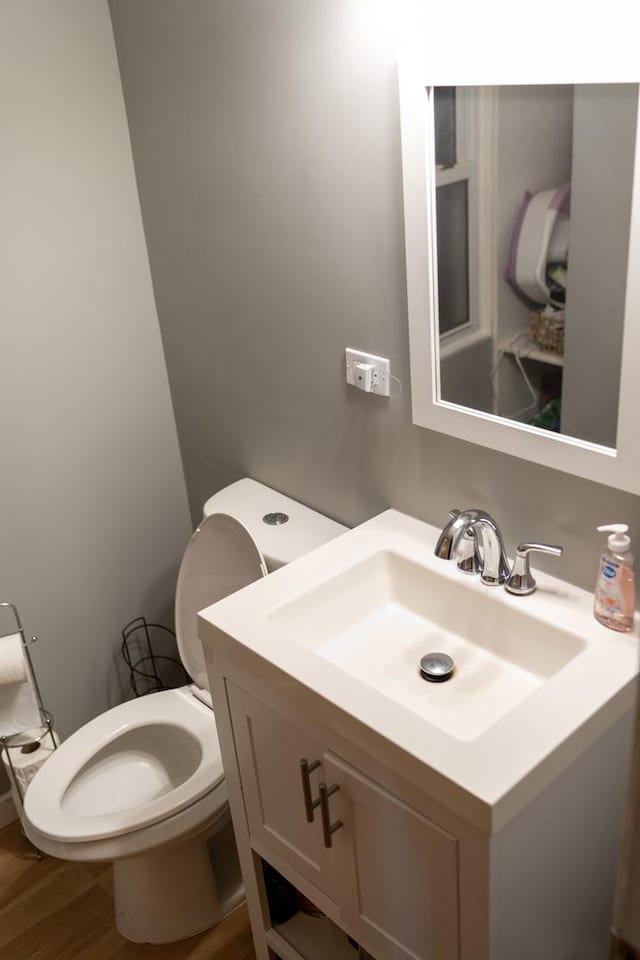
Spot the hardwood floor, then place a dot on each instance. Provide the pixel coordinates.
(54, 910)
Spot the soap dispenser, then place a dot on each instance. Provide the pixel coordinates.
(615, 593)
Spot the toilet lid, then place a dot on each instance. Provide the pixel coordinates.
(220, 558)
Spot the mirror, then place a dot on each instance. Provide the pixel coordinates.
(521, 226)
(533, 198)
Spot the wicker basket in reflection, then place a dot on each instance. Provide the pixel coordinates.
(547, 330)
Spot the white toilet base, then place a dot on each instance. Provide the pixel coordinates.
(172, 892)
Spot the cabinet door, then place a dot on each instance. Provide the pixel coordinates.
(396, 871)
(269, 751)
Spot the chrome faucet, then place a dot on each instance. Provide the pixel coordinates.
(474, 539)
(472, 529)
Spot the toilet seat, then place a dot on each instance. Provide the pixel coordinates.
(220, 558)
(202, 816)
(139, 763)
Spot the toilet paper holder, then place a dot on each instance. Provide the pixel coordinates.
(19, 741)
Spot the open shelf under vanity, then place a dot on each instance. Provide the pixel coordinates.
(310, 938)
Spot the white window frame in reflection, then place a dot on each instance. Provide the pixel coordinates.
(475, 154)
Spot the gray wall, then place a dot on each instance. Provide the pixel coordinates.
(465, 376)
(94, 507)
(534, 153)
(267, 151)
(627, 900)
(601, 185)
(534, 127)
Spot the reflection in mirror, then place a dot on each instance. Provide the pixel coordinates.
(532, 207)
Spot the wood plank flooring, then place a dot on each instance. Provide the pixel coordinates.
(54, 910)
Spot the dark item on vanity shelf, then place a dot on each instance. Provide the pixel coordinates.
(282, 896)
(309, 908)
(621, 950)
(362, 953)
(150, 652)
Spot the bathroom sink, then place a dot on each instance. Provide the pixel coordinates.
(376, 619)
(536, 678)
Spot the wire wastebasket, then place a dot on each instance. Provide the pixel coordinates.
(144, 651)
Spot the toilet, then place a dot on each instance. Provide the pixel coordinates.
(142, 785)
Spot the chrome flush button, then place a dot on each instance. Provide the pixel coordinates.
(436, 667)
(275, 519)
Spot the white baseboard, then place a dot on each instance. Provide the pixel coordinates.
(8, 811)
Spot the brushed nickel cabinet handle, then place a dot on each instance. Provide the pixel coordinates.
(310, 804)
(328, 828)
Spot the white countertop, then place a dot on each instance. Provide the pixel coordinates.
(519, 753)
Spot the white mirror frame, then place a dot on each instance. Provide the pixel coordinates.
(619, 467)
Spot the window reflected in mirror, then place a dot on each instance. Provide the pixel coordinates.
(532, 210)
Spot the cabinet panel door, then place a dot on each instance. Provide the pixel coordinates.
(396, 871)
(269, 751)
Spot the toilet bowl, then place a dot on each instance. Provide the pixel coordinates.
(143, 785)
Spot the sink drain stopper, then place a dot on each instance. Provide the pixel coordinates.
(436, 667)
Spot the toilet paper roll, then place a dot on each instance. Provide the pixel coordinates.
(27, 760)
(18, 708)
(13, 665)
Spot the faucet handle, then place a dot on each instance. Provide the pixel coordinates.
(520, 581)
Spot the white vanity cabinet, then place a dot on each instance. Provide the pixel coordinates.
(397, 871)
(390, 871)
(269, 751)
(474, 820)
(403, 876)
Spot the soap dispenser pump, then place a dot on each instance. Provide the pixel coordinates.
(615, 593)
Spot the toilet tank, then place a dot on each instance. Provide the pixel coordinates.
(251, 502)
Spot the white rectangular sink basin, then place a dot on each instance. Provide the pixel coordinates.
(378, 618)
(536, 680)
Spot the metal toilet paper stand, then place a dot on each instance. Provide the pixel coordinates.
(9, 743)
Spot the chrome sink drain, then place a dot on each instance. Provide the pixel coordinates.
(275, 519)
(436, 667)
